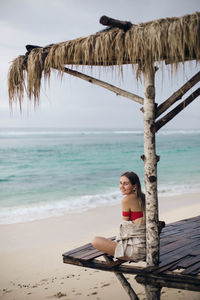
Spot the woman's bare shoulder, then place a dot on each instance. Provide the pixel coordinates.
(129, 199)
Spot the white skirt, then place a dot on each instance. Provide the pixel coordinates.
(131, 241)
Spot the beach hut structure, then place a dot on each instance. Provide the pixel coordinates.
(147, 47)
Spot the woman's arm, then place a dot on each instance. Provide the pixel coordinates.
(125, 209)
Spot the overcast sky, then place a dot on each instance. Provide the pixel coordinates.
(73, 102)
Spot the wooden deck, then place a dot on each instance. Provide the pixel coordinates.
(179, 265)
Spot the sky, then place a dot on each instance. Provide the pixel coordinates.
(72, 102)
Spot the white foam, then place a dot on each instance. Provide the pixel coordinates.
(9, 133)
(45, 210)
(57, 208)
(178, 132)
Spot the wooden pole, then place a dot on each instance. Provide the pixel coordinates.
(125, 25)
(124, 282)
(105, 85)
(152, 292)
(150, 174)
(150, 170)
(162, 121)
(177, 95)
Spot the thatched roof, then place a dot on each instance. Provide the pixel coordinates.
(172, 40)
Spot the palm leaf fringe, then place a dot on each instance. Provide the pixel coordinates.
(173, 40)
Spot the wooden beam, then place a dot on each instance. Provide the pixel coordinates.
(124, 282)
(164, 120)
(103, 266)
(105, 85)
(162, 280)
(177, 95)
(110, 22)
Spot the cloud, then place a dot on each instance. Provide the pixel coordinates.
(75, 102)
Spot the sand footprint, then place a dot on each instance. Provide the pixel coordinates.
(105, 284)
(58, 295)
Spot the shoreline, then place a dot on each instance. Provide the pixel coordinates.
(31, 254)
(33, 210)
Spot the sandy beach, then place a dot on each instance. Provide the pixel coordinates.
(31, 255)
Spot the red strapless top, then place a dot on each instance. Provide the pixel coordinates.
(133, 215)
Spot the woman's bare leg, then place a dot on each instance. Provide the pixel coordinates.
(104, 245)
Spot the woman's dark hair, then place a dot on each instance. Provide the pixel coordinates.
(134, 179)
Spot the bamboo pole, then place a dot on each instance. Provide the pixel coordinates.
(105, 85)
(150, 174)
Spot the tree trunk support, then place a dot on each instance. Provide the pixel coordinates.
(150, 174)
(124, 282)
(177, 95)
(104, 84)
(152, 292)
(162, 121)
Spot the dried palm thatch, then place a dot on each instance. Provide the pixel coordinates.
(172, 40)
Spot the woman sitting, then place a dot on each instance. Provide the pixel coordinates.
(130, 243)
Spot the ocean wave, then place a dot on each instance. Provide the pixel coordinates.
(57, 132)
(21, 214)
(178, 132)
(175, 189)
(62, 132)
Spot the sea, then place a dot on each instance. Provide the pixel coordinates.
(52, 172)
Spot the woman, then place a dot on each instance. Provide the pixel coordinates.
(130, 243)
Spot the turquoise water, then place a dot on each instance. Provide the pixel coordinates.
(49, 172)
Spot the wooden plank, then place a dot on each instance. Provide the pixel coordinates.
(189, 220)
(186, 262)
(172, 247)
(85, 252)
(170, 282)
(167, 266)
(102, 265)
(89, 255)
(176, 255)
(186, 240)
(196, 251)
(195, 235)
(77, 249)
(164, 242)
(87, 246)
(194, 269)
(185, 228)
(187, 249)
(189, 229)
(172, 259)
